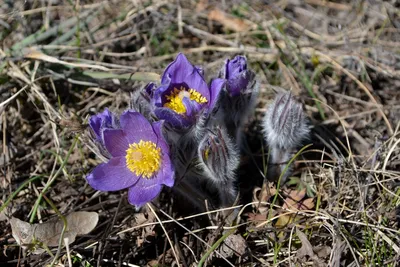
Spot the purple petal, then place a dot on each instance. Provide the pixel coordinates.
(171, 117)
(192, 107)
(238, 84)
(136, 127)
(116, 142)
(235, 67)
(149, 89)
(112, 176)
(182, 71)
(157, 127)
(99, 121)
(167, 172)
(200, 70)
(159, 95)
(215, 90)
(139, 196)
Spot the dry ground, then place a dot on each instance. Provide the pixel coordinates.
(342, 58)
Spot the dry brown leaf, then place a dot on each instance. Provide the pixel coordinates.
(323, 252)
(263, 195)
(153, 263)
(283, 221)
(256, 218)
(139, 218)
(306, 248)
(233, 244)
(307, 204)
(230, 22)
(293, 198)
(294, 202)
(3, 215)
(143, 218)
(48, 233)
(201, 5)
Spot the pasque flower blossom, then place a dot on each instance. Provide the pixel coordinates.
(237, 74)
(184, 94)
(140, 157)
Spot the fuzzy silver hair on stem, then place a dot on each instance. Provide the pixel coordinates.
(219, 159)
(238, 109)
(285, 127)
(140, 101)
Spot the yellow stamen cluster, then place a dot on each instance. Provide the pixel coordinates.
(196, 96)
(206, 153)
(143, 158)
(175, 99)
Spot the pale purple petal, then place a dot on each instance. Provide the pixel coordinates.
(192, 107)
(238, 84)
(112, 176)
(174, 119)
(116, 142)
(167, 173)
(157, 127)
(235, 67)
(149, 89)
(215, 90)
(136, 127)
(159, 94)
(139, 195)
(99, 121)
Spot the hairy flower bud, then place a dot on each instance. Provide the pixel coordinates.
(285, 124)
(219, 159)
(285, 127)
(140, 101)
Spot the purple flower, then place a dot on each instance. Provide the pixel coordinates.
(140, 160)
(184, 93)
(237, 75)
(102, 121)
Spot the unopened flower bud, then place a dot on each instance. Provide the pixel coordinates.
(285, 123)
(219, 159)
(239, 98)
(285, 127)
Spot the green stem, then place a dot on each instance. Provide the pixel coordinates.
(282, 173)
(49, 183)
(62, 231)
(214, 247)
(15, 193)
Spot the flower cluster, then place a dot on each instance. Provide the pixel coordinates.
(182, 130)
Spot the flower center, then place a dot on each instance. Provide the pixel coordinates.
(143, 158)
(175, 99)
